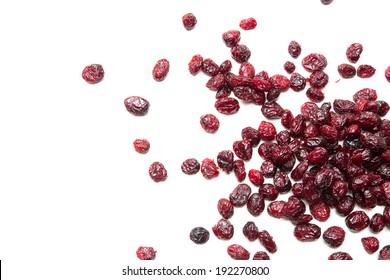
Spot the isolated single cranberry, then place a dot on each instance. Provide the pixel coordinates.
(189, 21)
(93, 73)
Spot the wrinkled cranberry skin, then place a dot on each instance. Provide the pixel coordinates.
(146, 253)
(315, 94)
(189, 21)
(256, 177)
(275, 209)
(289, 67)
(272, 110)
(93, 73)
(248, 23)
(286, 118)
(216, 83)
(293, 207)
(225, 67)
(268, 169)
(190, 166)
(261, 255)
(141, 146)
(340, 256)
(209, 123)
(318, 79)
(267, 241)
(339, 189)
(225, 160)
(237, 252)
(209, 169)
(242, 149)
(247, 70)
(320, 211)
(223, 229)
(250, 231)
(209, 67)
(157, 172)
(195, 64)
(294, 49)
(365, 71)
(239, 170)
(137, 105)
(240, 53)
(227, 105)
(240, 195)
(387, 74)
(357, 221)
(160, 70)
(318, 155)
(367, 93)
(346, 71)
(314, 62)
(386, 215)
(251, 135)
(307, 232)
(280, 82)
(282, 182)
(199, 235)
(334, 236)
(225, 208)
(370, 244)
(267, 131)
(297, 82)
(231, 38)
(384, 253)
(377, 223)
(269, 191)
(255, 204)
(354, 51)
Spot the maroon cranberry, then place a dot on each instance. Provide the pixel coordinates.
(339, 188)
(251, 135)
(269, 192)
(223, 229)
(199, 235)
(247, 70)
(255, 204)
(227, 105)
(320, 211)
(240, 195)
(282, 182)
(314, 62)
(297, 82)
(231, 38)
(146, 253)
(346, 71)
(272, 110)
(209, 123)
(268, 169)
(367, 93)
(209, 169)
(225, 208)
(225, 67)
(189, 21)
(267, 131)
(242, 149)
(136, 105)
(387, 74)
(225, 160)
(275, 209)
(307, 232)
(365, 71)
(240, 53)
(261, 255)
(289, 67)
(267, 241)
(190, 166)
(318, 155)
(280, 82)
(93, 73)
(248, 23)
(354, 51)
(318, 79)
(237, 252)
(315, 94)
(223, 92)
(157, 172)
(216, 82)
(142, 146)
(160, 70)
(209, 67)
(293, 207)
(357, 220)
(384, 253)
(370, 244)
(195, 64)
(256, 177)
(239, 170)
(386, 215)
(286, 118)
(340, 256)
(250, 231)
(294, 49)
(261, 84)
(334, 236)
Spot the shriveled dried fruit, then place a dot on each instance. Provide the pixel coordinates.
(251, 135)
(142, 146)
(240, 195)
(320, 211)
(195, 64)
(370, 244)
(267, 131)
(227, 105)
(267, 241)
(190, 166)
(357, 220)
(256, 177)
(239, 169)
(209, 123)
(384, 253)
(209, 67)
(297, 82)
(307, 232)
(250, 231)
(189, 21)
(346, 71)
(137, 105)
(340, 256)
(160, 70)
(146, 253)
(93, 73)
(242, 149)
(225, 160)
(209, 169)
(377, 223)
(387, 74)
(231, 38)
(275, 209)
(294, 49)
(225, 208)
(334, 236)
(289, 67)
(314, 62)
(240, 53)
(261, 255)
(199, 235)
(354, 51)
(248, 23)
(255, 204)
(237, 252)
(157, 172)
(365, 71)
(223, 229)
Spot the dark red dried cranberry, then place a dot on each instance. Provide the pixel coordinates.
(293, 207)
(282, 182)
(251, 135)
(209, 67)
(199, 235)
(370, 244)
(146, 253)
(299, 170)
(340, 256)
(346, 71)
(289, 67)
(341, 106)
(326, 2)
(256, 177)
(247, 70)
(255, 204)
(275, 209)
(320, 211)
(157, 172)
(209, 169)
(357, 220)
(339, 188)
(318, 79)
(267, 131)
(239, 169)
(269, 192)
(334, 236)
(287, 118)
(237, 252)
(315, 94)
(268, 169)
(297, 82)
(377, 223)
(261, 84)
(242, 149)
(225, 67)
(314, 62)
(368, 120)
(318, 155)
(244, 93)
(307, 232)
(142, 146)
(227, 105)
(365, 71)
(267, 241)
(209, 123)
(190, 166)
(195, 64)
(240, 195)
(231, 38)
(387, 74)
(280, 82)
(272, 110)
(93, 73)
(189, 21)
(240, 53)
(248, 23)
(225, 160)
(137, 105)
(261, 255)
(354, 51)
(294, 49)
(273, 94)
(223, 229)
(250, 231)
(216, 83)
(225, 208)
(160, 70)
(384, 253)
(386, 215)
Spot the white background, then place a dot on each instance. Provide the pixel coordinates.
(76, 200)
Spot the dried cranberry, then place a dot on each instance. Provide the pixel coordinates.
(242, 149)
(216, 82)
(209, 123)
(370, 244)
(256, 177)
(297, 82)
(225, 67)
(268, 169)
(244, 93)
(326, 2)
(251, 135)
(240, 195)
(354, 51)
(199, 235)
(318, 155)
(190, 166)
(146, 253)
(339, 188)
(315, 94)
(299, 170)
(334, 236)
(240, 53)
(386, 215)
(209, 169)
(225, 208)
(267, 241)
(255, 204)
(237, 252)
(320, 211)
(209, 67)
(227, 105)
(314, 62)
(297, 126)
(280, 82)
(239, 170)
(294, 49)
(339, 256)
(225, 160)
(189, 21)
(93, 73)
(318, 79)
(250, 231)
(365, 71)
(368, 120)
(223, 229)
(137, 105)
(231, 38)
(387, 74)
(195, 64)
(248, 23)
(157, 172)
(272, 110)
(261, 255)
(289, 67)
(268, 191)
(261, 84)
(160, 70)
(141, 145)
(384, 253)
(282, 182)
(307, 232)
(267, 131)
(247, 70)
(275, 209)
(357, 220)
(293, 207)
(346, 71)
(286, 118)
(367, 93)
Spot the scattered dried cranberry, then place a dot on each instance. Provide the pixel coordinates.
(189, 21)
(326, 2)
(240, 53)
(377, 223)
(190, 166)
(267, 241)
(370, 244)
(160, 70)
(294, 49)
(136, 105)
(366, 93)
(354, 51)
(255, 204)
(318, 79)
(240, 195)
(272, 110)
(157, 172)
(346, 71)
(297, 82)
(251, 135)
(237, 252)
(340, 256)
(223, 229)
(199, 235)
(314, 62)
(267, 131)
(146, 253)
(209, 67)
(261, 255)
(334, 236)
(225, 160)
(269, 191)
(315, 94)
(247, 70)
(209, 169)
(209, 123)
(195, 64)
(386, 215)
(250, 231)
(365, 71)
(256, 177)
(227, 105)
(242, 149)
(275, 209)
(279, 82)
(384, 253)
(248, 23)
(93, 73)
(289, 67)
(216, 82)
(387, 74)
(225, 208)
(307, 232)
(239, 170)
(142, 146)
(357, 220)
(320, 211)
(231, 38)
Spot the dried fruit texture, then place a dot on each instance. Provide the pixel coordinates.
(190, 166)
(340, 256)
(326, 2)
(250, 231)
(307, 232)
(237, 252)
(160, 70)
(318, 79)
(251, 135)
(334, 236)
(386, 215)
(289, 67)
(231, 38)
(223, 229)
(377, 223)
(195, 64)
(137, 105)
(275, 209)
(256, 177)
(261, 255)
(370, 244)
(157, 172)
(354, 51)
(146, 253)
(141, 146)
(216, 83)
(242, 149)
(387, 74)
(297, 82)
(346, 71)
(294, 49)
(384, 253)
(255, 204)
(248, 23)
(209, 169)
(225, 208)
(199, 235)
(357, 220)
(239, 170)
(227, 105)
(189, 21)
(209, 123)
(93, 73)
(267, 131)
(320, 211)
(209, 67)
(293, 207)
(240, 53)
(267, 241)
(365, 71)
(225, 161)
(314, 62)
(240, 195)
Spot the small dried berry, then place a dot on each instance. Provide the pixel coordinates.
(146, 253)
(255, 204)
(370, 244)
(346, 71)
(307, 232)
(142, 146)
(267, 131)
(209, 67)
(248, 23)
(239, 169)
(242, 149)
(267, 241)
(240, 195)
(256, 177)
(365, 71)
(340, 256)
(157, 172)
(261, 255)
(237, 252)
(199, 235)
(190, 166)
(289, 67)
(314, 62)
(231, 38)
(354, 51)
(227, 105)
(225, 208)
(195, 64)
(334, 236)
(294, 49)
(240, 53)
(384, 253)
(137, 105)
(189, 21)
(160, 70)
(93, 73)
(223, 229)
(250, 231)
(209, 169)
(357, 220)
(209, 123)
